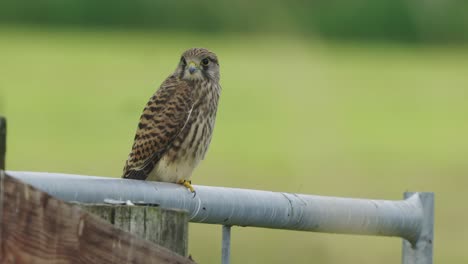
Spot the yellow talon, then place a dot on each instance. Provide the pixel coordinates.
(187, 184)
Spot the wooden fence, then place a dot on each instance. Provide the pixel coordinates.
(411, 218)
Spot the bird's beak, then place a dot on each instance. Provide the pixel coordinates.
(192, 67)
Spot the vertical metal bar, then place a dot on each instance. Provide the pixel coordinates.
(421, 252)
(2, 166)
(2, 142)
(226, 247)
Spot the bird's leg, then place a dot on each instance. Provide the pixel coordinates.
(188, 185)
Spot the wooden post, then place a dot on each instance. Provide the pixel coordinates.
(2, 142)
(167, 228)
(37, 228)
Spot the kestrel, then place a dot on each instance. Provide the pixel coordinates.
(177, 123)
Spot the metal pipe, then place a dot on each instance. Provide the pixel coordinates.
(421, 252)
(231, 206)
(226, 245)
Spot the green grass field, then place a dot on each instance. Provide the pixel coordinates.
(295, 115)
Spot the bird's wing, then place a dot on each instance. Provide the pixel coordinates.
(163, 118)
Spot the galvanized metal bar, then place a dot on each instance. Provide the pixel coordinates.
(421, 251)
(3, 131)
(231, 206)
(226, 246)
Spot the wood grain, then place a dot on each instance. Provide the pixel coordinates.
(165, 227)
(37, 228)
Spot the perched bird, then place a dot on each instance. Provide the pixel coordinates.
(177, 123)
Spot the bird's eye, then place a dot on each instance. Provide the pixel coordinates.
(182, 59)
(205, 61)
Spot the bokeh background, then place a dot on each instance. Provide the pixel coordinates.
(355, 98)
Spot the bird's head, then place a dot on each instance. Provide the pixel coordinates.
(198, 64)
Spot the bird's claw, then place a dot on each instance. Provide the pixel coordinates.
(188, 185)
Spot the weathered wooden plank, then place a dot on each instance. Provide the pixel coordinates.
(37, 228)
(165, 227)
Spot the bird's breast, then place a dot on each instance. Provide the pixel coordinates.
(192, 143)
(196, 139)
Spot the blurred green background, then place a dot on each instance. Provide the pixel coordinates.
(358, 98)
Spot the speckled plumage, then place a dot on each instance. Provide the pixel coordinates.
(176, 125)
